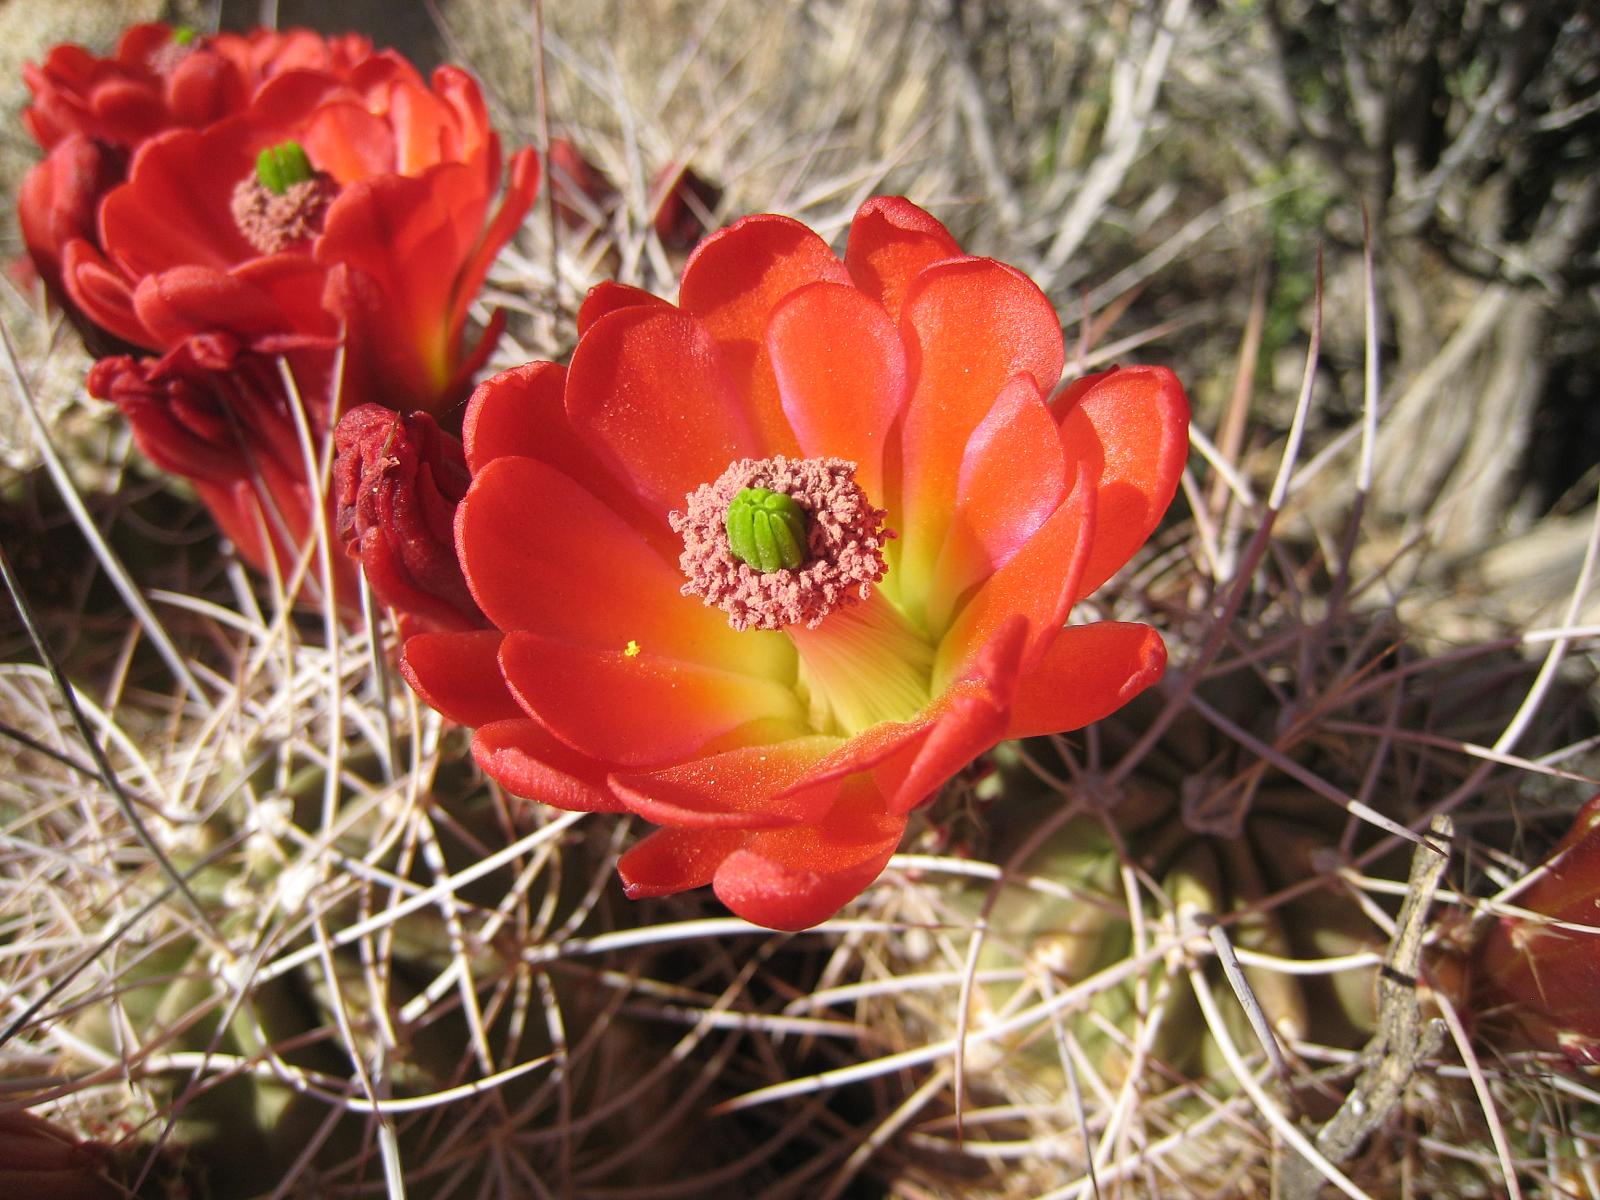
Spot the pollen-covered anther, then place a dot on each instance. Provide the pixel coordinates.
(843, 553)
(284, 201)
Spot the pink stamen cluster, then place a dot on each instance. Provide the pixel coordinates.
(271, 222)
(844, 544)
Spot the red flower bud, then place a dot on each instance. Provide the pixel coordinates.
(581, 189)
(1542, 977)
(687, 198)
(396, 483)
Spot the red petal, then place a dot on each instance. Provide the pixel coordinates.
(522, 412)
(176, 207)
(800, 876)
(522, 184)
(275, 295)
(101, 293)
(841, 370)
(1040, 582)
(733, 282)
(752, 787)
(1132, 429)
(891, 242)
(542, 554)
(970, 325)
(675, 860)
(607, 296)
(1087, 673)
(1013, 475)
(638, 710)
(459, 674)
(967, 719)
(514, 413)
(646, 385)
(525, 760)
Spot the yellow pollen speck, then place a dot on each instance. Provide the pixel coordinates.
(632, 649)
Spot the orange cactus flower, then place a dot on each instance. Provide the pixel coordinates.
(768, 566)
(89, 112)
(352, 208)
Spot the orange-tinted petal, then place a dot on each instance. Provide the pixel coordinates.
(1087, 673)
(607, 296)
(799, 876)
(521, 186)
(1133, 424)
(1040, 582)
(522, 412)
(675, 860)
(646, 386)
(891, 242)
(969, 325)
(541, 554)
(513, 414)
(1013, 475)
(634, 709)
(967, 719)
(522, 757)
(841, 371)
(733, 281)
(752, 787)
(459, 674)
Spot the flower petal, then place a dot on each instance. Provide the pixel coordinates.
(891, 242)
(675, 860)
(607, 296)
(541, 554)
(733, 281)
(969, 325)
(1087, 673)
(967, 719)
(646, 386)
(1013, 475)
(522, 412)
(459, 674)
(841, 371)
(514, 413)
(751, 787)
(1132, 427)
(797, 877)
(522, 757)
(635, 709)
(1040, 582)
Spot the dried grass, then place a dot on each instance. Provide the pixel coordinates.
(1134, 961)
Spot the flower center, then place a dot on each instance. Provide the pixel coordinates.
(284, 201)
(780, 542)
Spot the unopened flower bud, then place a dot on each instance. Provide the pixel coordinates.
(396, 482)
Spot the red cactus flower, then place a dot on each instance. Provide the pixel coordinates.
(396, 483)
(221, 417)
(90, 112)
(1540, 977)
(860, 465)
(340, 207)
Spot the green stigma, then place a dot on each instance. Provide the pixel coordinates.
(766, 529)
(282, 166)
(182, 35)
